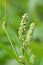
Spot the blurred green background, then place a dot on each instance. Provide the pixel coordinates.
(15, 10)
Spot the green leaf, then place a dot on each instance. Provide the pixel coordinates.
(14, 36)
(9, 51)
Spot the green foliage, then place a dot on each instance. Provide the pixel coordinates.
(15, 10)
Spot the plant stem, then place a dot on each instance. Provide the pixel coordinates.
(11, 43)
(23, 54)
(4, 28)
(5, 8)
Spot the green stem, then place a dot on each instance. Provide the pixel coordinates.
(5, 8)
(11, 42)
(23, 54)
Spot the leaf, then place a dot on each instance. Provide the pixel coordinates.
(14, 36)
(9, 51)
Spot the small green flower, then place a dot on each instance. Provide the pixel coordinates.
(32, 59)
(26, 36)
(30, 32)
(22, 59)
(22, 28)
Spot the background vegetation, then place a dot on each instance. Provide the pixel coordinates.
(15, 10)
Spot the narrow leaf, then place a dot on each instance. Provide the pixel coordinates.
(9, 51)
